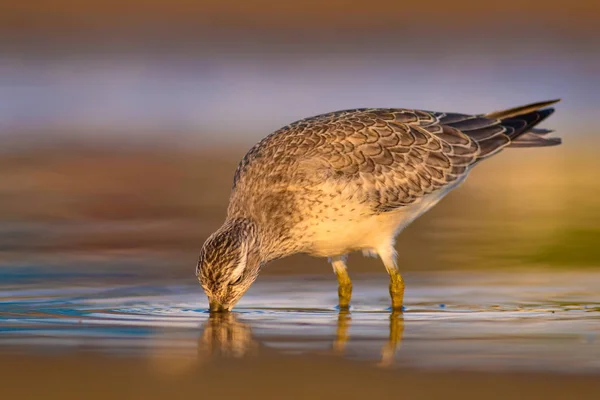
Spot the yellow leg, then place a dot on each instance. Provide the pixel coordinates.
(344, 282)
(396, 291)
(388, 256)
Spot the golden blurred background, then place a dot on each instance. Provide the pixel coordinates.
(122, 122)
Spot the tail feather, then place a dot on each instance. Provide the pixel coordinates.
(524, 133)
(515, 127)
(516, 111)
(522, 121)
(531, 139)
(541, 131)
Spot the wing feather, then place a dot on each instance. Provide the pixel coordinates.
(388, 158)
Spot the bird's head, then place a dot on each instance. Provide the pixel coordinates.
(229, 263)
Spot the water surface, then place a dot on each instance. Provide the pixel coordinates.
(505, 321)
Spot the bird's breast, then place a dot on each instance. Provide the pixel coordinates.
(335, 229)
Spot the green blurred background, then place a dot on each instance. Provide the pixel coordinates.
(122, 123)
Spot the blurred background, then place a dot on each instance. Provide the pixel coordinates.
(121, 123)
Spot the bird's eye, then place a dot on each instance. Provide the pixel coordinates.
(238, 280)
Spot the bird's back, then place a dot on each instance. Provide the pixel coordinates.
(382, 159)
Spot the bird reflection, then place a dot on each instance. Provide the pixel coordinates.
(389, 349)
(341, 333)
(388, 352)
(223, 335)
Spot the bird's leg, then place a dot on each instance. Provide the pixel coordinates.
(344, 282)
(388, 256)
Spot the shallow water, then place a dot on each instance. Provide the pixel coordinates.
(505, 321)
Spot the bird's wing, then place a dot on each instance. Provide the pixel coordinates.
(393, 157)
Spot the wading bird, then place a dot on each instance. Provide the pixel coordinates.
(347, 181)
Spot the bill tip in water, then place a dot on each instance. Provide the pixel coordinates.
(217, 308)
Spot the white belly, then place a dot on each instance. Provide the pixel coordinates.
(340, 232)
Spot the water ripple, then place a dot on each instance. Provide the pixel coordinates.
(454, 325)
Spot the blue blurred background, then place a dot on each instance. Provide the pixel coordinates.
(122, 123)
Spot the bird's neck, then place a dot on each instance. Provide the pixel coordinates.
(265, 244)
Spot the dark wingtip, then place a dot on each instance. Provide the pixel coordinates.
(546, 103)
(546, 112)
(553, 101)
(521, 110)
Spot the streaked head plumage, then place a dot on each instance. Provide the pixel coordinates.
(229, 263)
